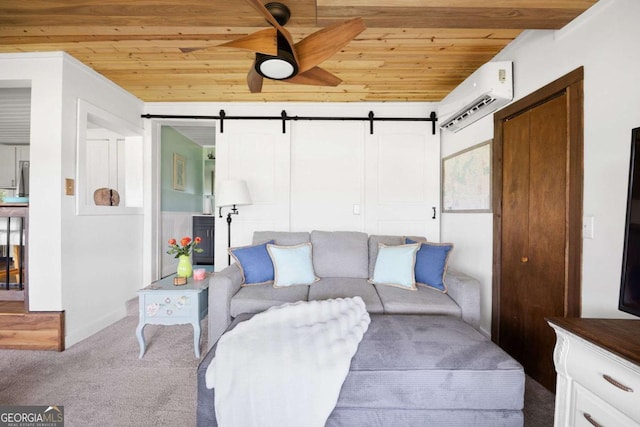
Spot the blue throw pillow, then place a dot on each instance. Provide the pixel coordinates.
(431, 264)
(293, 265)
(395, 266)
(255, 264)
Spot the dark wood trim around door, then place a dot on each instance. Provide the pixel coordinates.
(572, 85)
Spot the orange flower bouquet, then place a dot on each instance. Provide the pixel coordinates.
(186, 246)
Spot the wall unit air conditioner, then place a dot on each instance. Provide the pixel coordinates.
(487, 89)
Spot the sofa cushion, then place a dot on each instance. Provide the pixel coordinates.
(340, 254)
(423, 301)
(255, 264)
(431, 264)
(344, 287)
(292, 265)
(374, 240)
(256, 299)
(285, 238)
(431, 363)
(388, 240)
(395, 266)
(417, 371)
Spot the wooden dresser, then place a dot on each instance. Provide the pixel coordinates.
(598, 366)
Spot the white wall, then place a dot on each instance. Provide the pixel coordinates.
(174, 225)
(314, 175)
(87, 266)
(604, 41)
(101, 255)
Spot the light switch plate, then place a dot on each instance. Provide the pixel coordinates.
(69, 187)
(587, 227)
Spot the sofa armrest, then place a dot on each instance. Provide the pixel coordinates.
(222, 287)
(465, 291)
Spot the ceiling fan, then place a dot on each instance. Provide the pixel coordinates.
(279, 58)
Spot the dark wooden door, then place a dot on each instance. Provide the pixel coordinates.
(533, 232)
(537, 220)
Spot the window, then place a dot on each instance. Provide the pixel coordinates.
(109, 164)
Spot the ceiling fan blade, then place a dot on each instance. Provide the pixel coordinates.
(321, 45)
(257, 5)
(263, 41)
(315, 76)
(254, 80)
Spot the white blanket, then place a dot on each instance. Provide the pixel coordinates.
(286, 366)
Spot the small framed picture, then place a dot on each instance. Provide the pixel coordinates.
(179, 172)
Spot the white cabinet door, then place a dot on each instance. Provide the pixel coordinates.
(7, 166)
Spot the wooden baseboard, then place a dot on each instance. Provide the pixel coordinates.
(42, 330)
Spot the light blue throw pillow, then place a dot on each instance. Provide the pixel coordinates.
(395, 266)
(431, 264)
(292, 265)
(255, 264)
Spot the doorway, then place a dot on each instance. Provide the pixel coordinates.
(185, 179)
(538, 158)
(15, 130)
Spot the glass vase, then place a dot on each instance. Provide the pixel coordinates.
(184, 266)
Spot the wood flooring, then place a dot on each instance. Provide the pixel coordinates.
(23, 330)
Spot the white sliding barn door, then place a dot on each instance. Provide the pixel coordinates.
(327, 176)
(403, 180)
(330, 175)
(257, 152)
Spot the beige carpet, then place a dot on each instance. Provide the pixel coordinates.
(101, 382)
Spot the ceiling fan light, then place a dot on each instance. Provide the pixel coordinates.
(278, 67)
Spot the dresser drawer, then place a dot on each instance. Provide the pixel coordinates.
(174, 306)
(615, 382)
(591, 411)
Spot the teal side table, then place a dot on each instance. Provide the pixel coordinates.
(163, 303)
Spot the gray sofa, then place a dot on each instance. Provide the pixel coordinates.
(421, 362)
(343, 261)
(414, 371)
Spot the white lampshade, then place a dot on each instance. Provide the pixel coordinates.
(233, 192)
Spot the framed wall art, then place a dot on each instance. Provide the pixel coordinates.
(466, 180)
(179, 172)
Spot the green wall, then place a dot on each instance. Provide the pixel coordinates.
(190, 199)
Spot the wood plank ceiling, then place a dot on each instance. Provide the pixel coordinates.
(412, 50)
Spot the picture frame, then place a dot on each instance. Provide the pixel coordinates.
(179, 172)
(466, 180)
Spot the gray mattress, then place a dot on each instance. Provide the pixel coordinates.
(414, 370)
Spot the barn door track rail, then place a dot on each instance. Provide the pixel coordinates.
(284, 117)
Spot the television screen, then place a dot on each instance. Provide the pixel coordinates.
(630, 286)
